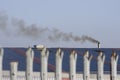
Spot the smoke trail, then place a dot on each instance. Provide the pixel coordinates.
(57, 35)
(90, 39)
(3, 21)
(33, 31)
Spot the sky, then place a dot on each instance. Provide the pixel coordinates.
(98, 19)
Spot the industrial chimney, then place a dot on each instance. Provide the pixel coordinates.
(98, 44)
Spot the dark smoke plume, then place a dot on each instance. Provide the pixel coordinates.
(90, 39)
(33, 31)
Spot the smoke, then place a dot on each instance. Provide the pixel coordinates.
(58, 35)
(90, 39)
(33, 31)
(3, 21)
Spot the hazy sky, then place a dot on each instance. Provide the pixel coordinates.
(99, 19)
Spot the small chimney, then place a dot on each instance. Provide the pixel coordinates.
(98, 44)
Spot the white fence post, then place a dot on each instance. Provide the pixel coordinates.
(59, 57)
(114, 60)
(86, 66)
(44, 63)
(100, 65)
(13, 70)
(29, 64)
(1, 61)
(73, 58)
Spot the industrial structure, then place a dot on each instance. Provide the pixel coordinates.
(14, 73)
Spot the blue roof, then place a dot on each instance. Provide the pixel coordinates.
(18, 54)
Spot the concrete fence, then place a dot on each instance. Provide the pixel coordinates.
(14, 74)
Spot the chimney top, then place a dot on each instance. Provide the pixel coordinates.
(98, 44)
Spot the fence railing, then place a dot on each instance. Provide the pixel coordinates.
(14, 74)
(51, 76)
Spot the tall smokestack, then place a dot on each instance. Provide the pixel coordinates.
(98, 44)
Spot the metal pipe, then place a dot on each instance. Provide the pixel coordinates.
(98, 44)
